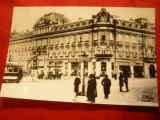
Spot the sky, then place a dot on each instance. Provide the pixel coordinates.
(25, 17)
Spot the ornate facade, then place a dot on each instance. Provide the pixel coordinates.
(102, 44)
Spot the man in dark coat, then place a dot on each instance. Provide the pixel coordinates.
(121, 81)
(91, 89)
(126, 82)
(76, 85)
(106, 82)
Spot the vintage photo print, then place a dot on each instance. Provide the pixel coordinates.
(95, 55)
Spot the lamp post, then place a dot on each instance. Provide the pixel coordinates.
(115, 23)
(83, 82)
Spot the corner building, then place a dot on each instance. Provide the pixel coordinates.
(100, 45)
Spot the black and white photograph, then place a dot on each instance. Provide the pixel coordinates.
(91, 55)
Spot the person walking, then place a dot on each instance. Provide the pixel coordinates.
(126, 81)
(121, 81)
(91, 89)
(106, 82)
(77, 81)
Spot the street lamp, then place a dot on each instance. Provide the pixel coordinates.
(83, 83)
(115, 23)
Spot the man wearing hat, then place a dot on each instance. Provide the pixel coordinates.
(106, 82)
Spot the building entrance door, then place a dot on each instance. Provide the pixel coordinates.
(138, 71)
(103, 68)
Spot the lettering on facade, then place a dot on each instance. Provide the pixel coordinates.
(124, 63)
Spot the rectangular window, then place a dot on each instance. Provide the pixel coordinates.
(103, 66)
(103, 37)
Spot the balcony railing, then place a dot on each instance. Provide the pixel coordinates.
(86, 43)
(73, 44)
(103, 55)
(62, 45)
(80, 44)
(103, 43)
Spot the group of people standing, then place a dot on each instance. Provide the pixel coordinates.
(92, 87)
(123, 79)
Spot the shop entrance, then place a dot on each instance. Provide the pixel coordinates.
(75, 68)
(138, 71)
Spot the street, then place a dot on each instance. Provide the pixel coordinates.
(142, 91)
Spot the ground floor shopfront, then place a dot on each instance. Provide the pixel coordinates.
(99, 67)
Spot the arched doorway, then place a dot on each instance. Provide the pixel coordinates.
(152, 71)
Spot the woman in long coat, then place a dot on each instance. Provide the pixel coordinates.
(106, 82)
(76, 85)
(91, 89)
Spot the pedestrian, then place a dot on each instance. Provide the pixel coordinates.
(91, 89)
(121, 81)
(106, 82)
(126, 81)
(77, 81)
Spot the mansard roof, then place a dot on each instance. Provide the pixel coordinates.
(51, 18)
(59, 23)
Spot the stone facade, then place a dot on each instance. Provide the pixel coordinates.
(102, 44)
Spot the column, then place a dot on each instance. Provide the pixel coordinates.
(109, 70)
(69, 69)
(98, 69)
(82, 70)
(118, 70)
(90, 68)
(146, 70)
(132, 71)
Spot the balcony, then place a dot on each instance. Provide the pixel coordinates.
(149, 59)
(67, 45)
(102, 43)
(62, 45)
(103, 55)
(57, 46)
(73, 44)
(80, 44)
(51, 47)
(86, 43)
